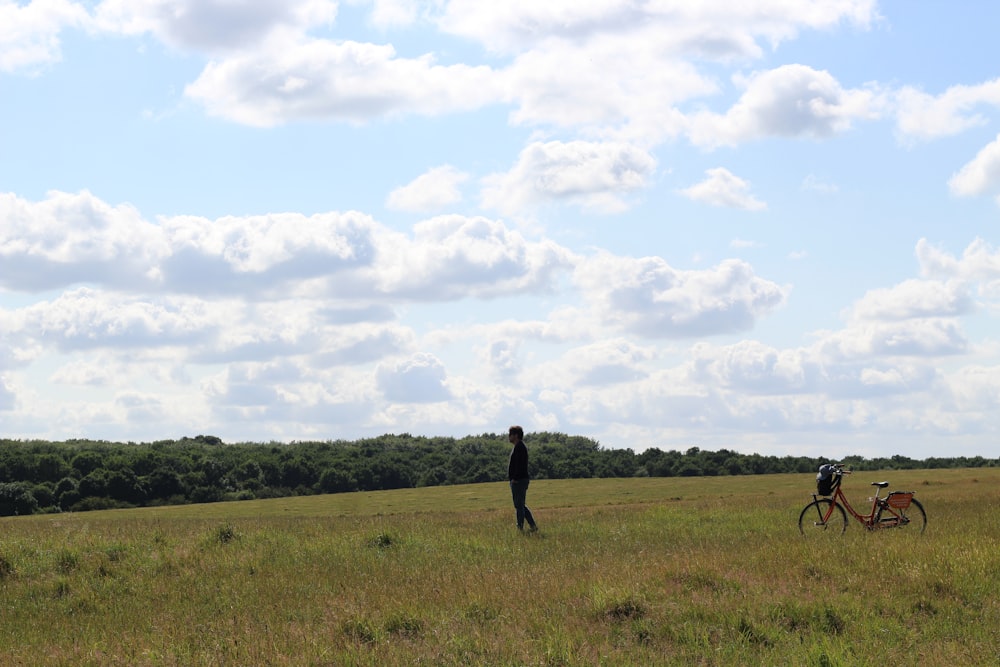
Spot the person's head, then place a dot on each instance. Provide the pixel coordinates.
(515, 434)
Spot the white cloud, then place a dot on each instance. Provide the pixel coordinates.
(974, 391)
(29, 33)
(790, 101)
(622, 69)
(812, 183)
(70, 240)
(395, 13)
(618, 86)
(84, 318)
(923, 116)
(294, 80)
(650, 298)
(454, 256)
(212, 25)
(418, 379)
(96, 371)
(981, 176)
(710, 28)
(257, 254)
(431, 190)
(755, 367)
(722, 188)
(74, 238)
(607, 362)
(592, 175)
(500, 357)
(926, 337)
(980, 262)
(8, 398)
(914, 299)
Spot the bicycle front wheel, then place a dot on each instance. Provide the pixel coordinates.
(822, 517)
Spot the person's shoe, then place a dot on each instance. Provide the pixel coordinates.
(533, 527)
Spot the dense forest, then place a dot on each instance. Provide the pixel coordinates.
(79, 475)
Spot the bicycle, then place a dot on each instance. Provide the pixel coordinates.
(827, 516)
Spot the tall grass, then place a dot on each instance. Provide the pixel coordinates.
(623, 572)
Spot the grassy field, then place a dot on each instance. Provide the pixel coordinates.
(668, 571)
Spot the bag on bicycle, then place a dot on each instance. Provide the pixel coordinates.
(826, 480)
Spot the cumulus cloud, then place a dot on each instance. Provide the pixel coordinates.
(418, 379)
(310, 79)
(981, 176)
(926, 337)
(74, 238)
(607, 362)
(723, 188)
(710, 27)
(451, 257)
(914, 299)
(30, 33)
(70, 240)
(434, 189)
(8, 398)
(591, 175)
(624, 69)
(648, 297)
(261, 253)
(284, 396)
(360, 345)
(500, 357)
(790, 101)
(755, 367)
(621, 87)
(211, 25)
(84, 318)
(980, 262)
(922, 116)
(750, 368)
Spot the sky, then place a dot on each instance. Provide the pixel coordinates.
(768, 226)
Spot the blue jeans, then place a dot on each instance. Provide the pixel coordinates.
(519, 491)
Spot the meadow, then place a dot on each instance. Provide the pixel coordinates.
(644, 571)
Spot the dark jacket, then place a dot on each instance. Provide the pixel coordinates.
(517, 468)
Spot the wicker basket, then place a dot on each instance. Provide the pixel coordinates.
(899, 500)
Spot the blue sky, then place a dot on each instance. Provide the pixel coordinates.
(770, 228)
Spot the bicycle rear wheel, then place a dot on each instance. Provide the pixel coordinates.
(822, 517)
(914, 516)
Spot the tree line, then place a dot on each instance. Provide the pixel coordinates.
(79, 475)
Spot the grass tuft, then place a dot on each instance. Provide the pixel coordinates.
(225, 534)
(404, 625)
(359, 630)
(381, 540)
(67, 560)
(6, 567)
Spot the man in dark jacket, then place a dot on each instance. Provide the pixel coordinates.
(517, 473)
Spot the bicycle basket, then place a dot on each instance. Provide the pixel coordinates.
(899, 500)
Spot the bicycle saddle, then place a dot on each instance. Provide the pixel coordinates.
(880, 485)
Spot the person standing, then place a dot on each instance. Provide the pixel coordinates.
(517, 473)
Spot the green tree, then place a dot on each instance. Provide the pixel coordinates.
(16, 499)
